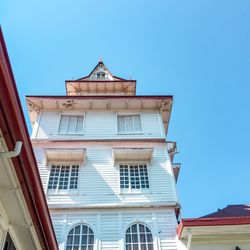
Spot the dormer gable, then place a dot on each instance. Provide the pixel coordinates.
(101, 73)
(100, 81)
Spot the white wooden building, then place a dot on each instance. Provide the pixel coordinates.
(106, 168)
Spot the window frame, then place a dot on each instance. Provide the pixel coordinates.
(130, 190)
(132, 132)
(58, 191)
(83, 114)
(138, 232)
(82, 223)
(101, 73)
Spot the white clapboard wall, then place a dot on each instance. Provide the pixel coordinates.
(109, 226)
(98, 183)
(97, 125)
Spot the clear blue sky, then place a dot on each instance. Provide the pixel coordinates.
(199, 51)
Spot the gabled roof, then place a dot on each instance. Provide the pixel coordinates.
(230, 211)
(223, 220)
(100, 81)
(100, 66)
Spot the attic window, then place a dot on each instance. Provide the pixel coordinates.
(100, 75)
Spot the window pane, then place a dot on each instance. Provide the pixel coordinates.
(135, 247)
(53, 179)
(70, 239)
(74, 177)
(137, 123)
(128, 238)
(149, 237)
(72, 124)
(141, 228)
(150, 247)
(84, 240)
(142, 238)
(134, 228)
(124, 181)
(128, 247)
(129, 123)
(91, 239)
(79, 126)
(121, 124)
(63, 124)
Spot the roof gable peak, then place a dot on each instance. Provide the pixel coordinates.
(100, 73)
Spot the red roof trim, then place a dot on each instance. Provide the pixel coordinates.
(120, 78)
(203, 222)
(103, 140)
(104, 81)
(102, 97)
(14, 128)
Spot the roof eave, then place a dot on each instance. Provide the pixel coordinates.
(15, 129)
(209, 222)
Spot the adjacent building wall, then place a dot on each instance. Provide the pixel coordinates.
(226, 244)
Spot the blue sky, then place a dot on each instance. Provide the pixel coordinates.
(199, 51)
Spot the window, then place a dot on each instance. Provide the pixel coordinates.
(139, 237)
(134, 177)
(100, 75)
(129, 124)
(9, 244)
(63, 177)
(71, 124)
(81, 237)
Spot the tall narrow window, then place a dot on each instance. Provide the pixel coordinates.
(133, 177)
(81, 237)
(129, 124)
(63, 177)
(71, 124)
(139, 237)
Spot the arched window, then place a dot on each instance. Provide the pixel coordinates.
(80, 237)
(139, 237)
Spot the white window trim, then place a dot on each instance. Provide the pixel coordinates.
(134, 191)
(101, 73)
(152, 230)
(129, 114)
(82, 222)
(72, 114)
(68, 191)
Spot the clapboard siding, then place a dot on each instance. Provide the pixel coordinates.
(98, 125)
(99, 181)
(42, 167)
(110, 226)
(109, 231)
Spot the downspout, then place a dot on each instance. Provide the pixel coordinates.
(14, 153)
(189, 239)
